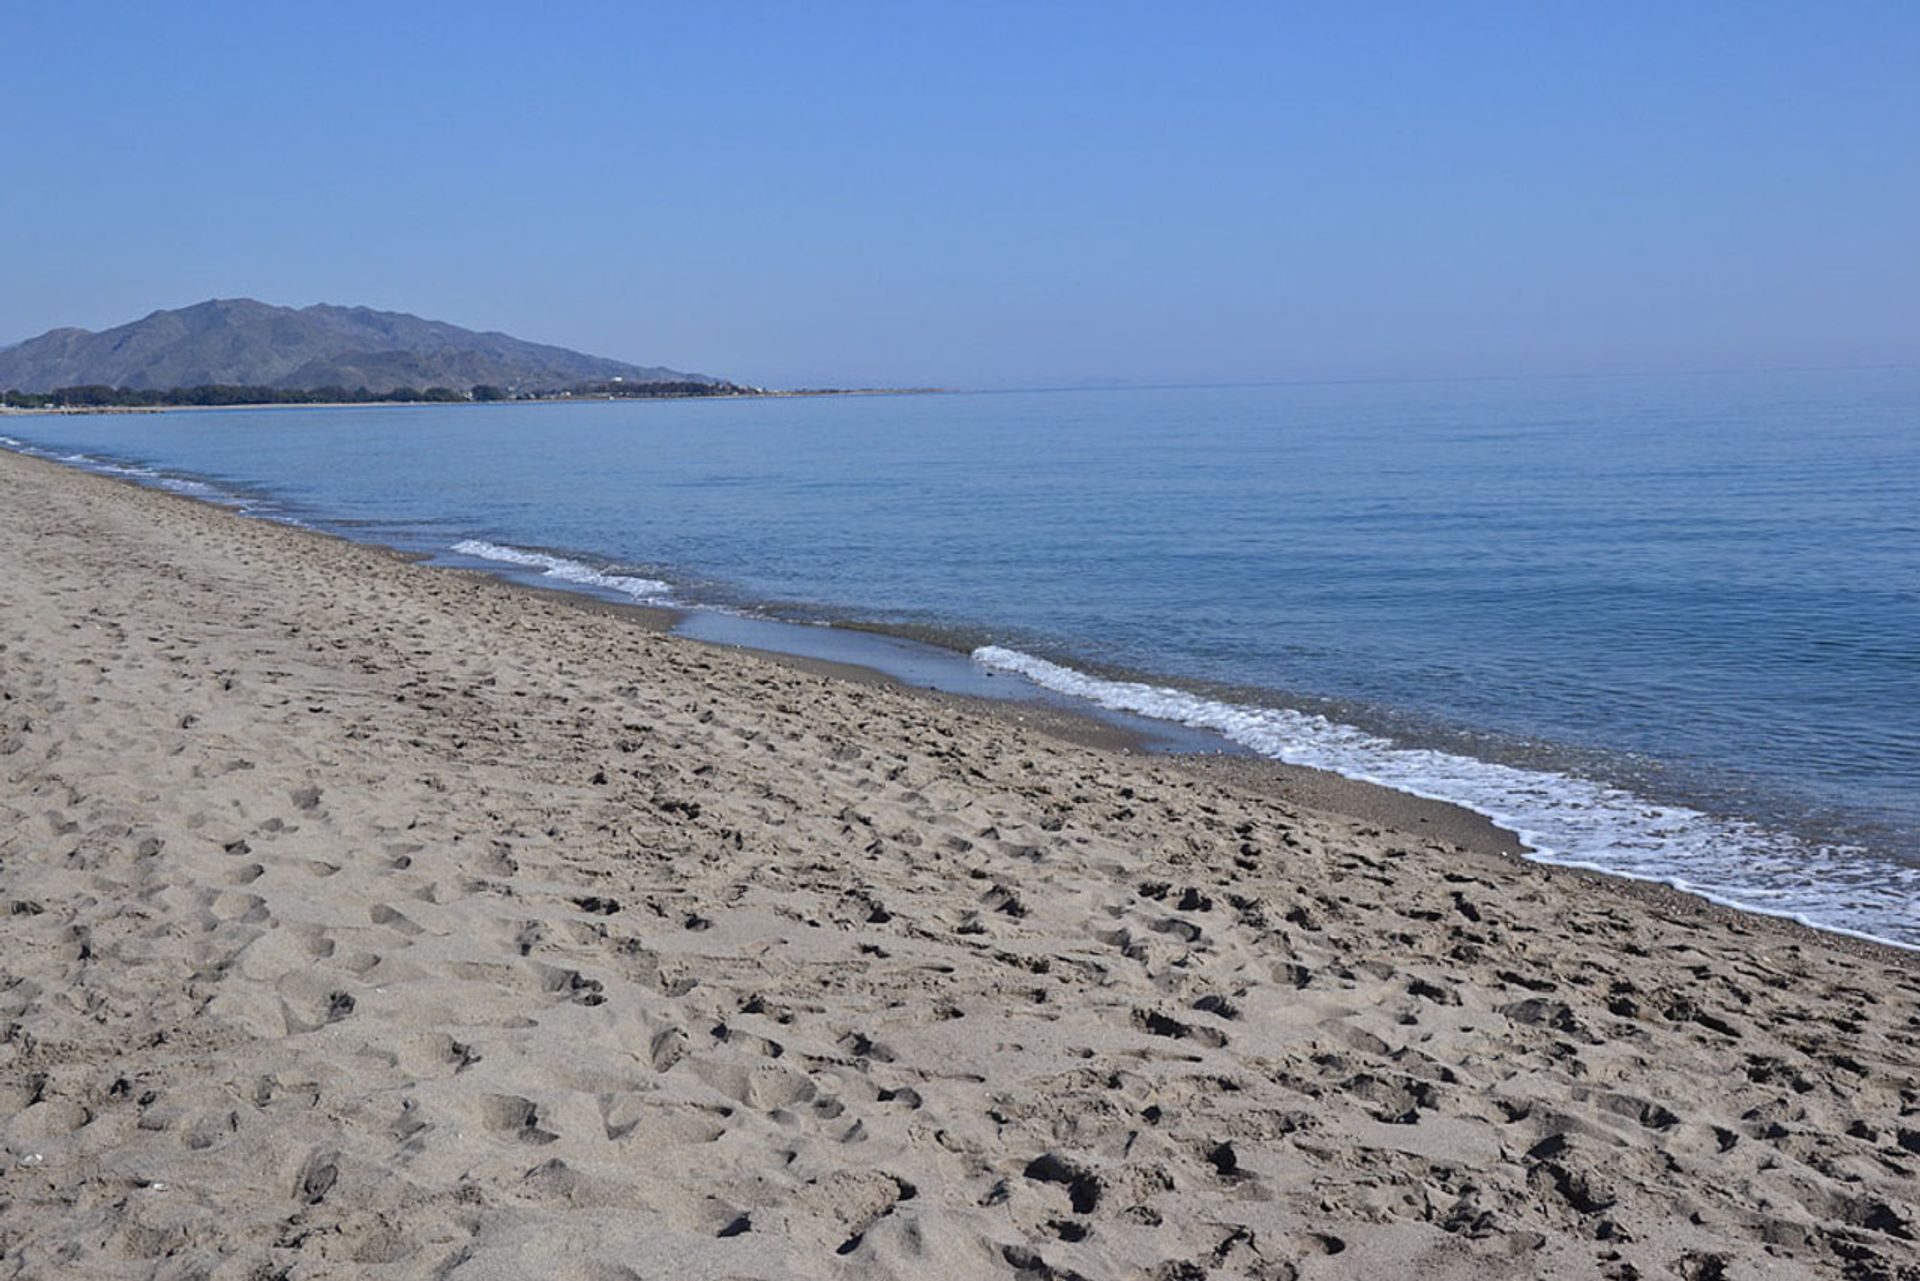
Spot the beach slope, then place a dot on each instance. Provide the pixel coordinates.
(364, 919)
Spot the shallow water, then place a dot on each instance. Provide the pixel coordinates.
(1667, 626)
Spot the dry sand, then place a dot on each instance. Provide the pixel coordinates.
(363, 919)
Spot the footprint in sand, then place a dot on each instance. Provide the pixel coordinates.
(394, 919)
(509, 1116)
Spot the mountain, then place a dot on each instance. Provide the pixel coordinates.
(238, 341)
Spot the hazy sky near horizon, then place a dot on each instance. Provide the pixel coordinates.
(991, 195)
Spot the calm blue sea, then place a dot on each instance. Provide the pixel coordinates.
(1665, 626)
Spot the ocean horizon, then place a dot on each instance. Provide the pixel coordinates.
(1667, 627)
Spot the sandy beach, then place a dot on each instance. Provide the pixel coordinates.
(364, 919)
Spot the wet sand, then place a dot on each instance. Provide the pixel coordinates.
(367, 919)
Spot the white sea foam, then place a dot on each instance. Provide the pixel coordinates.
(649, 591)
(1564, 819)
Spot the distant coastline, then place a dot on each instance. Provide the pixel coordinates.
(52, 402)
(240, 353)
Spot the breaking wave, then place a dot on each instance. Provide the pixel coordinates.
(649, 591)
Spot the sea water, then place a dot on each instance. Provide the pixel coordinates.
(1663, 626)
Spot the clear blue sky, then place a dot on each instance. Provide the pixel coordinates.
(986, 194)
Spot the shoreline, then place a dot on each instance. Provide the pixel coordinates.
(1094, 725)
(371, 918)
(1468, 831)
(1348, 794)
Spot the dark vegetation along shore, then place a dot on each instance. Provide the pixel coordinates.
(371, 919)
(227, 395)
(110, 399)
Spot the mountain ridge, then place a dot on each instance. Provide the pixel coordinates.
(242, 341)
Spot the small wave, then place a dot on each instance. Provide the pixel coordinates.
(148, 476)
(186, 486)
(649, 591)
(1564, 819)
